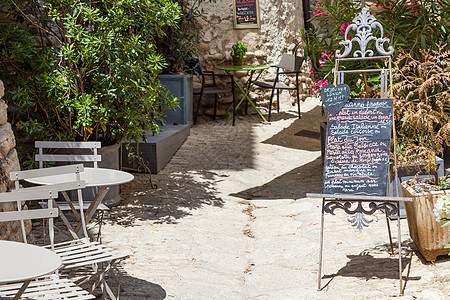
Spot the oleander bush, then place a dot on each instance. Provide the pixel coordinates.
(419, 31)
(408, 24)
(85, 70)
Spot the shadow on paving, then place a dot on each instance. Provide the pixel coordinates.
(187, 183)
(302, 134)
(367, 266)
(215, 146)
(291, 185)
(175, 196)
(134, 288)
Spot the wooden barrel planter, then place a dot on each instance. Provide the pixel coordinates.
(427, 233)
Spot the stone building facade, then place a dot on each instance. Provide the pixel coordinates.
(281, 25)
(9, 162)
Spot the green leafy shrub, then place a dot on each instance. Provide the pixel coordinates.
(180, 45)
(85, 70)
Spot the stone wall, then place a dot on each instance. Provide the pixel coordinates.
(281, 25)
(9, 162)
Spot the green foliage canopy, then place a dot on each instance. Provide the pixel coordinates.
(85, 70)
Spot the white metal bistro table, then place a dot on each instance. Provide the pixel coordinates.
(94, 177)
(25, 262)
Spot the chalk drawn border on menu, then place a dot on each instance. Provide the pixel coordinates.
(357, 148)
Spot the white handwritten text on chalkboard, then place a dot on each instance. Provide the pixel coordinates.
(357, 148)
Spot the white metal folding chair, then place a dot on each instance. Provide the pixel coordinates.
(49, 286)
(88, 154)
(91, 260)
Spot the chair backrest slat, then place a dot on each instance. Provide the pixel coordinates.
(20, 215)
(43, 213)
(19, 175)
(28, 194)
(67, 157)
(41, 157)
(57, 144)
(290, 62)
(59, 187)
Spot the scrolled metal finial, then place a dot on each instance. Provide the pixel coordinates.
(363, 24)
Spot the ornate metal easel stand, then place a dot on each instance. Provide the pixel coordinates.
(363, 24)
(391, 206)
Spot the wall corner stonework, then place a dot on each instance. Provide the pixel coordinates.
(9, 162)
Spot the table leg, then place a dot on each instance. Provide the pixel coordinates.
(248, 88)
(66, 221)
(21, 290)
(250, 84)
(93, 206)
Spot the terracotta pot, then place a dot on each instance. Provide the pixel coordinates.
(427, 233)
(237, 61)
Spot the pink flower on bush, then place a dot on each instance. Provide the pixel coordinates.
(344, 27)
(317, 86)
(311, 75)
(319, 13)
(322, 83)
(326, 55)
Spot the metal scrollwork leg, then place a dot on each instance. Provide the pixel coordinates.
(358, 219)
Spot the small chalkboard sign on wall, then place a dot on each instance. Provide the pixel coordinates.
(246, 14)
(357, 148)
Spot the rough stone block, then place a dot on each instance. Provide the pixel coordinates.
(9, 164)
(3, 112)
(7, 139)
(2, 89)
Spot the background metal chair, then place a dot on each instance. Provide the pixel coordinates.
(210, 87)
(82, 157)
(48, 286)
(288, 65)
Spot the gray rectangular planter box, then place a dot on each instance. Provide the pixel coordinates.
(181, 86)
(158, 149)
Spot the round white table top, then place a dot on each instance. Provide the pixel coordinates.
(20, 261)
(92, 177)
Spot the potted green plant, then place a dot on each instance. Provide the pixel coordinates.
(237, 53)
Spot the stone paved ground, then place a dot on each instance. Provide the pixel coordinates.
(229, 219)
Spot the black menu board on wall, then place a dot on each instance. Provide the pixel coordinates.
(246, 14)
(357, 148)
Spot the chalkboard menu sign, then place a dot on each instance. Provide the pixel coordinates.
(357, 148)
(246, 14)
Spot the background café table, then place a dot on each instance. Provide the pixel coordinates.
(24, 262)
(245, 89)
(94, 177)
